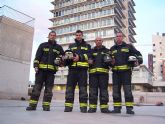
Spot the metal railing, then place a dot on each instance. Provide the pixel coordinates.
(16, 15)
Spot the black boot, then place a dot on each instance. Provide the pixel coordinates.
(105, 110)
(31, 108)
(92, 110)
(83, 109)
(46, 108)
(130, 111)
(116, 110)
(68, 109)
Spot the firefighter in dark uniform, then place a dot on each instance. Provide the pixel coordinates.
(45, 69)
(98, 78)
(122, 73)
(78, 73)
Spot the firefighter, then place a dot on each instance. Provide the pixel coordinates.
(98, 78)
(122, 73)
(77, 73)
(45, 69)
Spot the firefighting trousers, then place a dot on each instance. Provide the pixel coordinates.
(42, 78)
(76, 76)
(122, 78)
(98, 84)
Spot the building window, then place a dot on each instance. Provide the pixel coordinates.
(153, 44)
(160, 54)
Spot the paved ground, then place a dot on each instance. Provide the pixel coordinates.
(13, 112)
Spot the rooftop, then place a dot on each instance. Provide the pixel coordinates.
(13, 112)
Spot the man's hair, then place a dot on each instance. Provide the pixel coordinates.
(79, 31)
(52, 32)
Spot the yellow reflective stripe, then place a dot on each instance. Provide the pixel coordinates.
(51, 67)
(69, 104)
(125, 50)
(122, 67)
(36, 61)
(86, 57)
(33, 102)
(104, 106)
(83, 104)
(84, 48)
(46, 49)
(129, 104)
(46, 103)
(98, 70)
(117, 103)
(48, 66)
(56, 51)
(115, 51)
(84, 64)
(94, 54)
(92, 106)
(73, 48)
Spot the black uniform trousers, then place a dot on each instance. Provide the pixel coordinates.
(43, 78)
(76, 76)
(122, 78)
(98, 83)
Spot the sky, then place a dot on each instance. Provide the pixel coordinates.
(150, 19)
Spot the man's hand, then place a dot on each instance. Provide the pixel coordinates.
(136, 63)
(76, 58)
(90, 61)
(36, 69)
(113, 61)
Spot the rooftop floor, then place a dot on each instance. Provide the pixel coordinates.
(13, 112)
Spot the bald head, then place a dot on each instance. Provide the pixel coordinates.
(98, 41)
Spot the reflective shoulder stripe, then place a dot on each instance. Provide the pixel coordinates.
(114, 51)
(73, 48)
(84, 48)
(124, 50)
(46, 49)
(94, 54)
(56, 51)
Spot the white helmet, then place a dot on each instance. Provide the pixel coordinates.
(132, 59)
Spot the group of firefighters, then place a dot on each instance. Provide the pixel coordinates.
(82, 60)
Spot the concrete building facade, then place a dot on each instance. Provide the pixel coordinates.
(16, 40)
(158, 42)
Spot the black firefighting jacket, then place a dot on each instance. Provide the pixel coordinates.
(46, 54)
(121, 54)
(83, 50)
(98, 66)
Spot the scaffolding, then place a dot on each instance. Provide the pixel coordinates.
(6, 11)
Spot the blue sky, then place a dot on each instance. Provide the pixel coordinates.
(150, 19)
